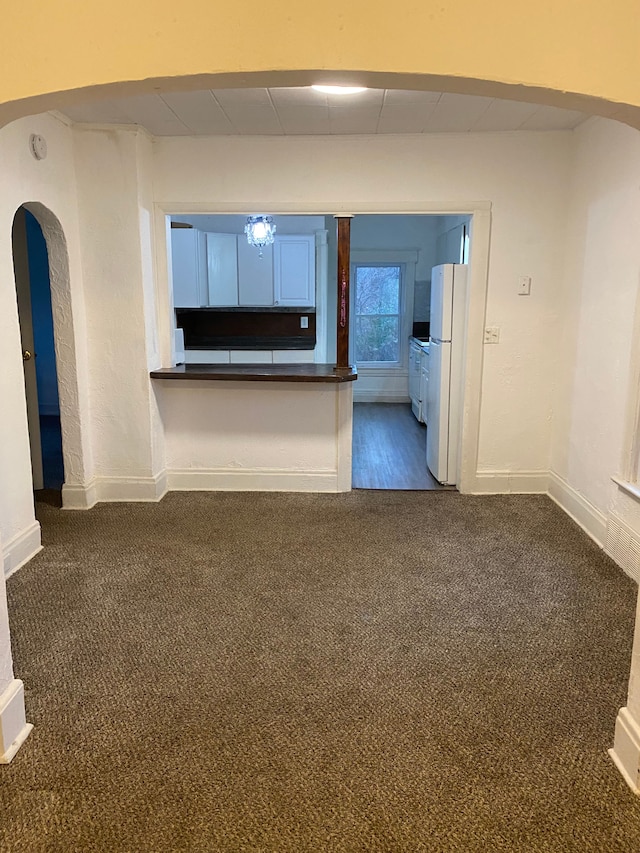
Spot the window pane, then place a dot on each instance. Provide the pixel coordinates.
(377, 290)
(377, 339)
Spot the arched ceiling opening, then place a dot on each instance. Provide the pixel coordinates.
(575, 55)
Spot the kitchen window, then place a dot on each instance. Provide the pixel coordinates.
(377, 313)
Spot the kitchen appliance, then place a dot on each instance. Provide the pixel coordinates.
(446, 356)
(418, 355)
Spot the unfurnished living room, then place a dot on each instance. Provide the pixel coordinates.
(223, 240)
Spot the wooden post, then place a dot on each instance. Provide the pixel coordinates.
(344, 252)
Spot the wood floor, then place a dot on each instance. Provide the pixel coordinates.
(389, 448)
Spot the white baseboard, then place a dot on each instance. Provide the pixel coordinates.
(76, 496)
(21, 548)
(378, 397)
(14, 728)
(114, 490)
(510, 483)
(590, 519)
(251, 480)
(626, 749)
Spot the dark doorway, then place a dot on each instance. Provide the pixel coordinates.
(31, 265)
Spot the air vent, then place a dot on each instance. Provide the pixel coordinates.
(623, 546)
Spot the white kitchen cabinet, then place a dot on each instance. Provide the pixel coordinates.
(222, 269)
(294, 270)
(255, 274)
(189, 268)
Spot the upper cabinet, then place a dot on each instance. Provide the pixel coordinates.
(294, 270)
(255, 274)
(189, 267)
(223, 270)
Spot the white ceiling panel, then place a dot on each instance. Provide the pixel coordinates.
(504, 115)
(405, 118)
(240, 97)
(306, 120)
(302, 110)
(352, 120)
(199, 111)
(456, 113)
(400, 97)
(151, 112)
(100, 112)
(253, 119)
(553, 118)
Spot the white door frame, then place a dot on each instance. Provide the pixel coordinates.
(480, 227)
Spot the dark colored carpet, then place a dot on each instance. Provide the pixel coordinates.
(377, 671)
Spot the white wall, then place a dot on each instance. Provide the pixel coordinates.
(523, 175)
(49, 187)
(118, 253)
(598, 388)
(262, 436)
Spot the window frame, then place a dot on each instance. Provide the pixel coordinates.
(406, 260)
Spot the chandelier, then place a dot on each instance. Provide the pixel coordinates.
(260, 230)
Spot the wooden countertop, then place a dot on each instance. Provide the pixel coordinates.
(258, 373)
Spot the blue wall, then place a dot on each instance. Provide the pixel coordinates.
(42, 318)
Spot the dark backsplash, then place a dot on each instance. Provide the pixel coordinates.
(247, 329)
(421, 330)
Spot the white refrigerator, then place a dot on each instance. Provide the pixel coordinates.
(446, 364)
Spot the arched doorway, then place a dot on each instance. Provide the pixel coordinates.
(33, 289)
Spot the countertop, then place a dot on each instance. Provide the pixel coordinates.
(327, 373)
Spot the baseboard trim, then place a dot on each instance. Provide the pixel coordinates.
(510, 483)
(114, 490)
(379, 397)
(251, 480)
(21, 548)
(76, 496)
(590, 519)
(14, 728)
(626, 749)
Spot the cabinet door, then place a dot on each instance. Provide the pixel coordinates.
(222, 269)
(255, 274)
(188, 266)
(294, 270)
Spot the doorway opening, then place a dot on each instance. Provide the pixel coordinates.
(33, 287)
(393, 259)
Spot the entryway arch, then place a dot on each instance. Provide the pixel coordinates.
(65, 375)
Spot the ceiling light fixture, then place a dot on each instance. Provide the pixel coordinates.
(260, 231)
(340, 90)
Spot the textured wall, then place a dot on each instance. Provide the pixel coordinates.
(524, 176)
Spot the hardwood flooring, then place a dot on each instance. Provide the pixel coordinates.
(389, 448)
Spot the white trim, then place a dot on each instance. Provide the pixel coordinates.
(14, 729)
(77, 496)
(252, 480)
(630, 488)
(584, 513)
(509, 482)
(114, 490)
(21, 548)
(626, 749)
(480, 229)
(382, 396)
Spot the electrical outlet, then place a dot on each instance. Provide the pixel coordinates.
(304, 322)
(491, 335)
(524, 285)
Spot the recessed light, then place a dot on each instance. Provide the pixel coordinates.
(340, 90)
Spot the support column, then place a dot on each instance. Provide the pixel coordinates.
(344, 257)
